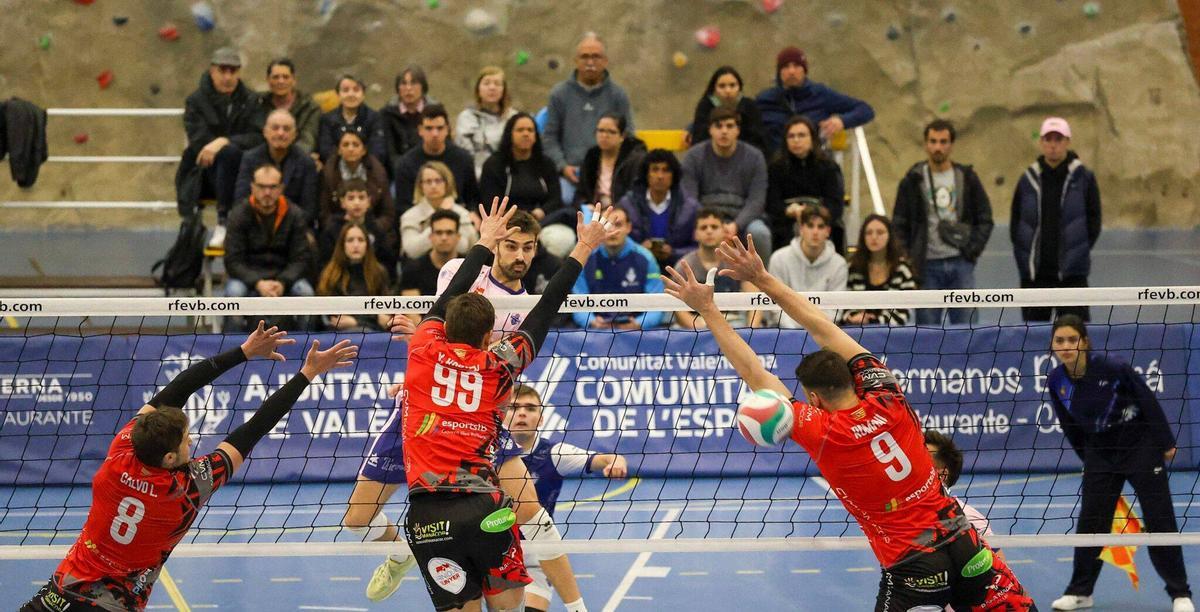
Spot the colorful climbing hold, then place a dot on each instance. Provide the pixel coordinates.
(1091, 9)
(680, 59)
(522, 57)
(80, 138)
(552, 64)
(944, 107)
(120, 20)
(105, 79)
(770, 6)
(949, 15)
(202, 12)
(44, 41)
(709, 37)
(432, 3)
(155, 89)
(169, 32)
(1024, 29)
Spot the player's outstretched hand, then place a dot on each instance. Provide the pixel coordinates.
(401, 327)
(742, 263)
(494, 224)
(318, 362)
(594, 231)
(264, 342)
(681, 284)
(617, 469)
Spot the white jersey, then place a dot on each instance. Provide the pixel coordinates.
(980, 522)
(488, 286)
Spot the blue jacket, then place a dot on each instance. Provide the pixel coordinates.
(1079, 222)
(681, 218)
(813, 100)
(633, 270)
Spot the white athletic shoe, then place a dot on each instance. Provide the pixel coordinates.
(217, 240)
(1072, 602)
(387, 577)
(1182, 604)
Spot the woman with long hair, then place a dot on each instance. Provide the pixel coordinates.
(518, 169)
(433, 190)
(802, 173)
(353, 270)
(725, 89)
(610, 167)
(479, 128)
(879, 264)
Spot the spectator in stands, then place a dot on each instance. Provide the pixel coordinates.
(282, 94)
(662, 217)
(809, 262)
(576, 105)
(421, 273)
(435, 190)
(725, 89)
(724, 174)
(353, 162)
(223, 118)
(802, 173)
(622, 266)
(709, 234)
(402, 115)
(280, 149)
(436, 146)
(879, 264)
(356, 205)
(943, 219)
(268, 248)
(480, 128)
(1055, 219)
(520, 170)
(351, 113)
(353, 270)
(795, 94)
(609, 167)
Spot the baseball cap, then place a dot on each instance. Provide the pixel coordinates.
(226, 56)
(1056, 124)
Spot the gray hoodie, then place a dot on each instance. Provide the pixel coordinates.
(827, 273)
(571, 116)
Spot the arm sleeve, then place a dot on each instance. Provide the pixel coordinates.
(235, 252)
(1014, 214)
(854, 112)
(177, 392)
(690, 183)
(413, 239)
(273, 409)
(308, 201)
(537, 322)
(1151, 409)
(1070, 427)
(1093, 211)
(306, 127)
(582, 319)
(298, 252)
(406, 177)
(477, 257)
(197, 130)
(756, 198)
(465, 126)
(552, 135)
(981, 229)
(653, 284)
(377, 143)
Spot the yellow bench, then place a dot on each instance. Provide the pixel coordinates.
(671, 140)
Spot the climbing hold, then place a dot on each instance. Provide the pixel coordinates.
(999, 180)
(1024, 29)
(433, 3)
(836, 20)
(522, 57)
(1091, 9)
(44, 41)
(326, 7)
(479, 21)
(949, 15)
(154, 89)
(893, 33)
(770, 6)
(202, 12)
(552, 64)
(80, 138)
(105, 79)
(709, 37)
(680, 59)
(169, 32)
(944, 107)
(120, 20)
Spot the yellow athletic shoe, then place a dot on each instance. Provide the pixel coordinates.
(387, 577)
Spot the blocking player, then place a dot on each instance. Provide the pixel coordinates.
(948, 461)
(461, 526)
(149, 489)
(867, 443)
(547, 463)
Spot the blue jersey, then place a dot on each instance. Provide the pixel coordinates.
(548, 463)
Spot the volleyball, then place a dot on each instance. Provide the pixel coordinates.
(765, 418)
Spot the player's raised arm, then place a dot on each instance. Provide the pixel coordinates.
(492, 229)
(241, 440)
(261, 342)
(682, 284)
(745, 265)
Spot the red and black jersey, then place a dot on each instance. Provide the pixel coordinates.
(138, 514)
(451, 408)
(875, 461)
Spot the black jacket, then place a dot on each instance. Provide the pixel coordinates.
(208, 115)
(534, 185)
(400, 130)
(750, 128)
(789, 178)
(366, 121)
(299, 177)
(629, 159)
(256, 251)
(911, 214)
(23, 135)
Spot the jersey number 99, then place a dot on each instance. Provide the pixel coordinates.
(130, 512)
(447, 385)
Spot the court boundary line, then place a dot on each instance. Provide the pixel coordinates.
(639, 563)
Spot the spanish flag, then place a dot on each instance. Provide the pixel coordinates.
(1124, 521)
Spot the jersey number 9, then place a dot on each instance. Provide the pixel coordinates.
(887, 452)
(447, 383)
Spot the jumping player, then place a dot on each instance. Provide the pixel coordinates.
(547, 463)
(461, 526)
(867, 443)
(149, 489)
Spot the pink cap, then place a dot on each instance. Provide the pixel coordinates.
(1056, 124)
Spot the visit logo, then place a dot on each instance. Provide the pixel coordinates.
(435, 531)
(447, 574)
(499, 521)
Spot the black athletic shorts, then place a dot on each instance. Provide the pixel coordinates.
(50, 598)
(963, 573)
(467, 545)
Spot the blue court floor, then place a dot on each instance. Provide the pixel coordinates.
(660, 509)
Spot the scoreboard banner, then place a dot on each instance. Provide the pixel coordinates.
(665, 399)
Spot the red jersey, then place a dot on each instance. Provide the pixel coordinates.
(875, 461)
(137, 517)
(451, 408)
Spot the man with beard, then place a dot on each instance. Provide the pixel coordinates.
(281, 150)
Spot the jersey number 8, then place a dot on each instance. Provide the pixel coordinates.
(447, 384)
(130, 512)
(888, 451)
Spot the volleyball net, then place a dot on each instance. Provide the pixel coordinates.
(73, 372)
